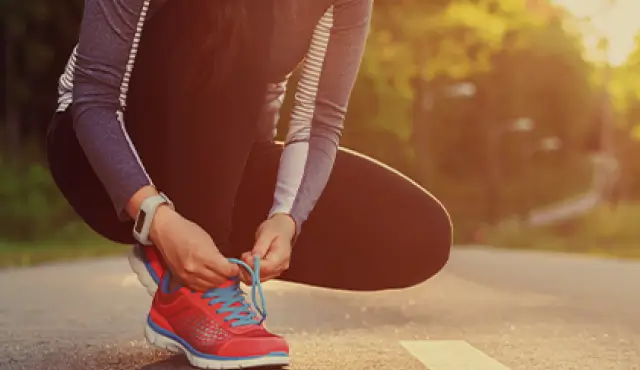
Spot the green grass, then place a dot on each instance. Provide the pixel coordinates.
(30, 254)
(605, 232)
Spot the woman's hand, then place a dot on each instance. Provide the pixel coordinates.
(273, 247)
(189, 251)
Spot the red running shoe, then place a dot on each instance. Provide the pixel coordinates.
(217, 329)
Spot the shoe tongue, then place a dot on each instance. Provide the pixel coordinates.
(232, 282)
(235, 282)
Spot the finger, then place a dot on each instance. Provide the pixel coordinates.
(247, 258)
(279, 253)
(269, 270)
(270, 276)
(245, 276)
(217, 263)
(200, 285)
(197, 283)
(275, 261)
(267, 266)
(210, 277)
(204, 272)
(263, 243)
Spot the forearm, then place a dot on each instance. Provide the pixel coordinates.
(304, 171)
(328, 77)
(112, 158)
(106, 52)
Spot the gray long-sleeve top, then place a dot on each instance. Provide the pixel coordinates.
(329, 35)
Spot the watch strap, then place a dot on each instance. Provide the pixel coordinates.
(144, 220)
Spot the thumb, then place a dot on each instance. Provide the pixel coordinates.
(263, 243)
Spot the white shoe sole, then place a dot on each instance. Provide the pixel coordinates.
(138, 266)
(172, 345)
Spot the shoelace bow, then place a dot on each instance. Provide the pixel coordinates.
(233, 299)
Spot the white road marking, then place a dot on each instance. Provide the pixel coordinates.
(451, 355)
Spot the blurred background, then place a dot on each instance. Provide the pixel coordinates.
(522, 116)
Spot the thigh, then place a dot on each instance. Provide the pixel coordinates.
(372, 228)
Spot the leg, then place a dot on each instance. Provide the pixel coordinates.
(372, 229)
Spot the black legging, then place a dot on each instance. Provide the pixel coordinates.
(372, 228)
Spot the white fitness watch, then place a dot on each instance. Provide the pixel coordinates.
(142, 225)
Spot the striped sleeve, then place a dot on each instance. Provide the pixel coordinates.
(320, 104)
(99, 71)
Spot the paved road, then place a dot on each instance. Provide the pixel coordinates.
(489, 310)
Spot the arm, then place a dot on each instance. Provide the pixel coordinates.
(109, 36)
(321, 100)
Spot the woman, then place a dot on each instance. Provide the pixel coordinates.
(196, 117)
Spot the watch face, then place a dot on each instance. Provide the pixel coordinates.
(140, 221)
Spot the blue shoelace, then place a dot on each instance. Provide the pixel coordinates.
(234, 302)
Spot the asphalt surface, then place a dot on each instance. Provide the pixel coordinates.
(526, 310)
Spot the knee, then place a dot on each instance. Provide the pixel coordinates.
(425, 251)
(421, 265)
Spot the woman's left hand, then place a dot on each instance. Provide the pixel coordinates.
(273, 247)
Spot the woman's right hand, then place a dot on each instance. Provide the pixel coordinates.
(189, 251)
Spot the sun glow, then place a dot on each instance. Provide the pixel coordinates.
(618, 24)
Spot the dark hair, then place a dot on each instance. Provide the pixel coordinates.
(225, 39)
(212, 35)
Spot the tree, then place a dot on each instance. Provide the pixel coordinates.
(523, 64)
(36, 33)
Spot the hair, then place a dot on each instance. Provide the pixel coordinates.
(211, 37)
(225, 40)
